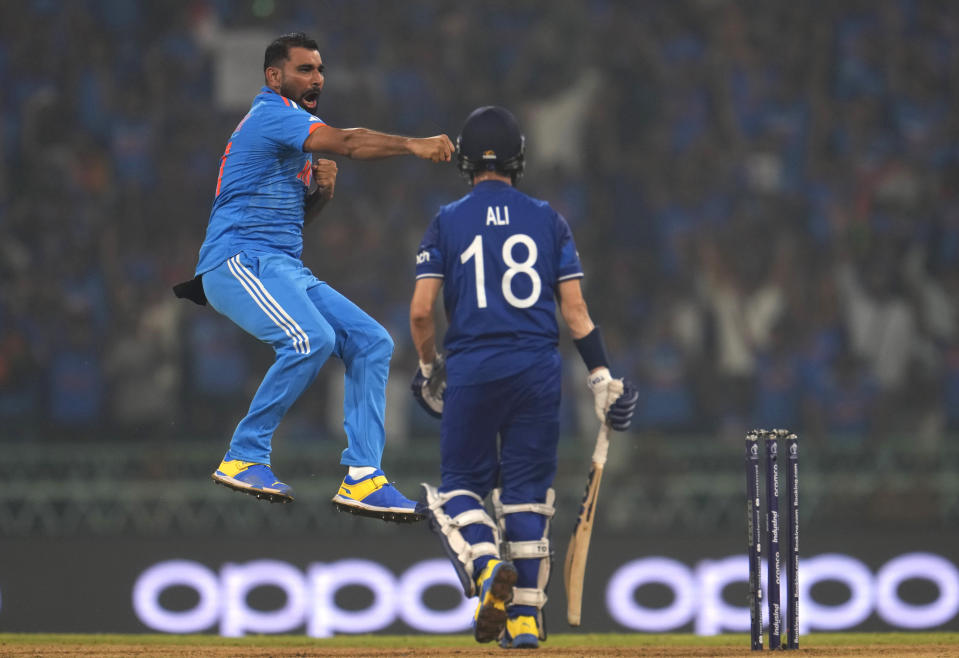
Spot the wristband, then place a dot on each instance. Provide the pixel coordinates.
(592, 349)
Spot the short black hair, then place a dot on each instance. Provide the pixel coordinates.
(280, 48)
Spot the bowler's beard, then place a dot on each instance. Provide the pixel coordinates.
(308, 100)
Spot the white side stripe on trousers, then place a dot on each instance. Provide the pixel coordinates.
(272, 308)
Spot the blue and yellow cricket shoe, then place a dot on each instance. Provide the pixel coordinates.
(374, 495)
(495, 592)
(252, 478)
(521, 633)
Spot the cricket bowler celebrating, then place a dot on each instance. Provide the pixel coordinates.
(502, 258)
(250, 270)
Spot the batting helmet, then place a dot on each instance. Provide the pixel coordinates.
(491, 141)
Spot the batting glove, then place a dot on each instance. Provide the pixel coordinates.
(620, 414)
(615, 399)
(429, 386)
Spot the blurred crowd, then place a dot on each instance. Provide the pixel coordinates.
(765, 197)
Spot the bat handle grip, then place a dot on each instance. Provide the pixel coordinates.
(602, 445)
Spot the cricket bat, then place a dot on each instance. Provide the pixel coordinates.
(574, 570)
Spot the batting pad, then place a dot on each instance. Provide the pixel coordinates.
(529, 549)
(449, 529)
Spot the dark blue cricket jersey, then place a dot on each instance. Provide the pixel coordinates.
(501, 255)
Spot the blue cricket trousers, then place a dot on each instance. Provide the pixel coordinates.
(522, 411)
(275, 298)
(503, 432)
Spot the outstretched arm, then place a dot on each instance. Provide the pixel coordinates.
(366, 144)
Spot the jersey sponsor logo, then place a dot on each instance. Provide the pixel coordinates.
(496, 218)
(422, 257)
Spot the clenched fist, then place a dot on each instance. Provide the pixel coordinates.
(615, 399)
(324, 173)
(438, 148)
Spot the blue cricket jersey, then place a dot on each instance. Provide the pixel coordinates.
(501, 255)
(262, 184)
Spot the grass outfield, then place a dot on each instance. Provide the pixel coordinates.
(585, 645)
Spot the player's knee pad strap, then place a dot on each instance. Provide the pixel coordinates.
(529, 549)
(460, 551)
(533, 596)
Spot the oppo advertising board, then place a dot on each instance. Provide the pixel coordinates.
(324, 588)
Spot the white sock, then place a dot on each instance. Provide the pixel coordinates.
(357, 472)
